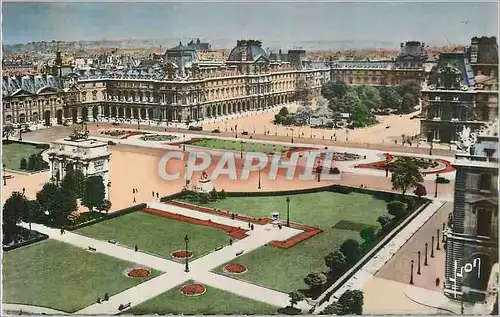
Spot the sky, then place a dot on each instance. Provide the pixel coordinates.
(435, 23)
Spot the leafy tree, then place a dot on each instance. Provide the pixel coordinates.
(303, 92)
(390, 97)
(334, 90)
(61, 204)
(349, 102)
(361, 116)
(295, 297)
(370, 97)
(31, 162)
(353, 301)
(75, 181)
(203, 198)
(322, 109)
(368, 234)
(409, 87)
(420, 190)
(315, 280)
(303, 114)
(213, 194)
(24, 164)
(351, 249)
(105, 206)
(222, 194)
(45, 195)
(94, 192)
(384, 221)
(335, 308)
(405, 174)
(408, 103)
(396, 208)
(8, 131)
(33, 211)
(336, 262)
(13, 211)
(284, 111)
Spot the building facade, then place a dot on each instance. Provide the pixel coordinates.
(472, 239)
(462, 91)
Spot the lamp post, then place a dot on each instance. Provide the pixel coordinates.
(109, 186)
(184, 143)
(443, 241)
(288, 211)
(430, 149)
(236, 130)
(259, 180)
(425, 261)
(411, 273)
(139, 121)
(437, 241)
(241, 149)
(186, 239)
(4, 176)
(418, 267)
(436, 189)
(432, 247)
(292, 135)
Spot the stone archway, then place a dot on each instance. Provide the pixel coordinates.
(120, 112)
(95, 112)
(59, 115)
(150, 113)
(34, 117)
(46, 117)
(143, 113)
(74, 115)
(22, 118)
(85, 114)
(219, 110)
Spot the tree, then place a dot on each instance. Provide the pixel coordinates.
(33, 212)
(303, 114)
(213, 194)
(31, 162)
(61, 204)
(368, 234)
(420, 190)
(349, 102)
(390, 97)
(315, 280)
(361, 116)
(408, 103)
(105, 205)
(23, 164)
(350, 248)
(94, 192)
(396, 208)
(405, 174)
(8, 131)
(75, 181)
(13, 211)
(353, 301)
(284, 111)
(322, 109)
(331, 90)
(335, 308)
(336, 262)
(302, 92)
(222, 194)
(384, 221)
(295, 297)
(370, 97)
(45, 196)
(410, 87)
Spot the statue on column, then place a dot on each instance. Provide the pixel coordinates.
(466, 139)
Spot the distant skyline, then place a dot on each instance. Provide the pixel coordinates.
(289, 23)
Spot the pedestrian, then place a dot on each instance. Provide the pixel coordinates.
(98, 300)
(106, 297)
(134, 199)
(437, 281)
(133, 191)
(230, 241)
(24, 190)
(232, 216)
(157, 195)
(153, 194)
(62, 231)
(136, 190)
(251, 227)
(136, 248)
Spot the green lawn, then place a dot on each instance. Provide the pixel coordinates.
(236, 146)
(214, 301)
(284, 270)
(56, 275)
(13, 152)
(156, 234)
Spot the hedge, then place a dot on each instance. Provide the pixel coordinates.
(41, 237)
(108, 216)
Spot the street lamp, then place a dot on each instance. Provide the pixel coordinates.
(241, 149)
(109, 186)
(292, 135)
(418, 268)
(184, 143)
(186, 239)
(437, 243)
(288, 211)
(139, 121)
(236, 130)
(432, 247)
(259, 180)
(411, 273)
(4, 176)
(425, 261)
(430, 149)
(436, 190)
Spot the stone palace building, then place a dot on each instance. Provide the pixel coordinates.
(183, 88)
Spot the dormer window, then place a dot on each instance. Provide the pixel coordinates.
(455, 98)
(437, 98)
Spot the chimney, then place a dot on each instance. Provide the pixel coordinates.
(402, 45)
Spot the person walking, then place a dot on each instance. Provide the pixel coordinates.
(134, 199)
(136, 248)
(230, 241)
(153, 194)
(251, 227)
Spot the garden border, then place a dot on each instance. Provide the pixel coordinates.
(42, 237)
(109, 216)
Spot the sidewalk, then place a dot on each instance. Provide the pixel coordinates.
(19, 309)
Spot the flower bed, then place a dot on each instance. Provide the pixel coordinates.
(115, 132)
(193, 290)
(133, 133)
(138, 272)
(158, 137)
(182, 254)
(424, 165)
(235, 268)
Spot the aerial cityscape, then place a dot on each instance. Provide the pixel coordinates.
(250, 158)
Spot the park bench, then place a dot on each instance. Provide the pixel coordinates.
(112, 241)
(239, 253)
(92, 249)
(219, 248)
(124, 306)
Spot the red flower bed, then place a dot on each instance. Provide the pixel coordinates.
(138, 272)
(235, 268)
(290, 242)
(126, 136)
(234, 232)
(288, 153)
(182, 254)
(380, 165)
(193, 289)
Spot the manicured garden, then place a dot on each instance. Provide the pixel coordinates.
(212, 301)
(55, 275)
(12, 153)
(340, 216)
(157, 235)
(236, 146)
